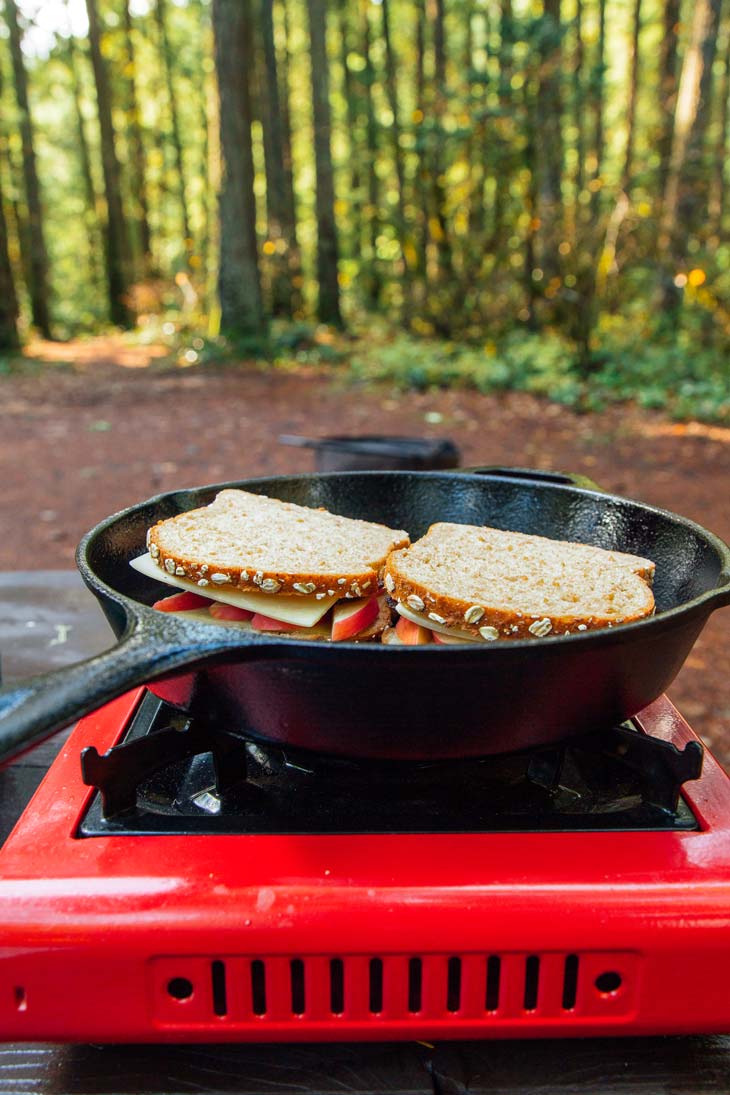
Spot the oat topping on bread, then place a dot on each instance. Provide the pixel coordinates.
(253, 543)
(508, 585)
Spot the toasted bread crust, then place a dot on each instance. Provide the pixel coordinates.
(497, 621)
(174, 546)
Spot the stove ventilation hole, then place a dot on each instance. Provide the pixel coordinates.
(608, 982)
(570, 982)
(296, 971)
(415, 981)
(532, 981)
(453, 985)
(258, 987)
(494, 968)
(180, 988)
(376, 985)
(218, 981)
(21, 1000)
(337, 986)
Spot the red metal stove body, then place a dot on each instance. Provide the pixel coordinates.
(262, 938)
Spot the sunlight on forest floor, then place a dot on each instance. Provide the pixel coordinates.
(89, 353)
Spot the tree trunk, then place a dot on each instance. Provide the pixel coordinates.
(438, 161)
(284, 93)
(719, 182)
(8, 300)
(685, 192)
(242, 314)
(373, 280)
(91, 217)
(627, 176)
(667, 87)
(391, 89)
(38, 287)
(328, 307)
(502, 172)
(137, 152)
(579, 100)
(116, 235)
(420, 195)
(161, 20)
(354, 236)
(597, 88)
(280, 231)
(550, 147)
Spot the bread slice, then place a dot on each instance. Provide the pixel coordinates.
(507, 585)
(249, 542)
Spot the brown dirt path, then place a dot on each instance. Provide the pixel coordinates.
(115, 425)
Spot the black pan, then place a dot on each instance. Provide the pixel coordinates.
(378, 701)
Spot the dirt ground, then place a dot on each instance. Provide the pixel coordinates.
(115, 425)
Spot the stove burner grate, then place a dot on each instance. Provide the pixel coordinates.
(171, 775)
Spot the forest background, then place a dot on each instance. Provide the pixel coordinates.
(525, 194)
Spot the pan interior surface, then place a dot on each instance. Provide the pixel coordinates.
(688, 563)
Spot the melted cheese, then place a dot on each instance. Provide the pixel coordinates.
(302, 611)
(423, 621)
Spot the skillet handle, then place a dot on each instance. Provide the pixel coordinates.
(535, 475)
(40, 706)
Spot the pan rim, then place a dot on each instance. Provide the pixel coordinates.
(597, 637)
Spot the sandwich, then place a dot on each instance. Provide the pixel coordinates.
(464, 583)
(251, 561)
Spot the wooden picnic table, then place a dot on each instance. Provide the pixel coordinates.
(48, 619)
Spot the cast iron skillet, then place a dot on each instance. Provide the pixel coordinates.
(378, 701)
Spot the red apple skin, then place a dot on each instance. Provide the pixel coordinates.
(181, 602)
(412, 634)
(351, 617)
(259, 622)
(229, 612)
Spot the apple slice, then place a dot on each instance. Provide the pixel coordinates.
(412, 634)
(349, 618)
(181, 602)
(259, 622)
(229, 612)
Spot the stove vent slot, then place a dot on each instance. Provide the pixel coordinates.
(494, 969)
(483, 989)
(570, 982)
(218, 985)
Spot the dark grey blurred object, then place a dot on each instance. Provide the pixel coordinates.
(376, 452)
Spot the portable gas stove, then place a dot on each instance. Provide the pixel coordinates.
(186, 885)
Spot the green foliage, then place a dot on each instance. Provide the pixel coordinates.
(659, 375)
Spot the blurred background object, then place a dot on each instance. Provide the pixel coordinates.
(378, 452)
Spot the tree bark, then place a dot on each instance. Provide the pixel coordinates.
(161, 20)
(579, 100)
(280, 231)
(352, 107)
(597, 88)
(667, 86)
(137, 152)
(628, 170)
(328, 306)
(116, 234)
(239, 287)
(373, 280)
(391, 89)
(38, 284)
(92, 218)
(685, 192)
(550, 148)
(8, 300)
(719, 183)
(284, 93)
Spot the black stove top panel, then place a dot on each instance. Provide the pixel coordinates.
(170, 776)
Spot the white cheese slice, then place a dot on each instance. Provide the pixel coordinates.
(302, 611)
(319, 631)
(423, 621)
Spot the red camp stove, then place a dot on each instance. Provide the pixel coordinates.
(182, 884)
